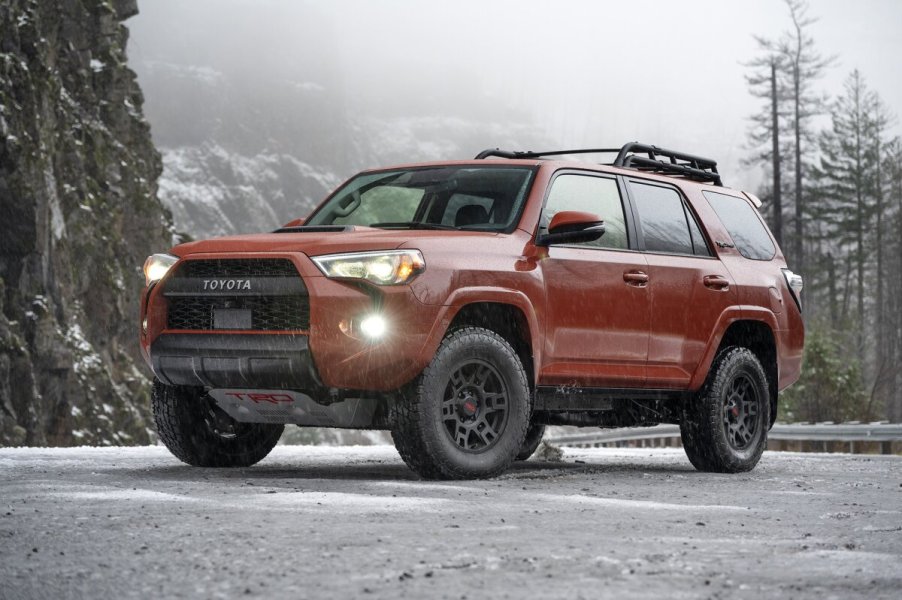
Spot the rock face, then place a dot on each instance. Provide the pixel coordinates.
(78, 215)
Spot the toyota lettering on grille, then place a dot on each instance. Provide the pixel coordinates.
(227, 284)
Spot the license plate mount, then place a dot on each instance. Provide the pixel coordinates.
(232, 318)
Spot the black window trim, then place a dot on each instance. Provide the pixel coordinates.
(687, 212)
(631, 232)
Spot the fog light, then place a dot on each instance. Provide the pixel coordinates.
(373, 326)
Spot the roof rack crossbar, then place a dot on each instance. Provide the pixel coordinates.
(530, 154)
(642, 157)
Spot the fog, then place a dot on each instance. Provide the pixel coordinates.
(566, 74)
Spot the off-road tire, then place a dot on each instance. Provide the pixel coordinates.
(719, 432)
(421, 430)
(185, 425)
(534, 435)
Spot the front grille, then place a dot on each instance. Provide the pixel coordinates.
(192, 305)
(244, 267)
(276, 313)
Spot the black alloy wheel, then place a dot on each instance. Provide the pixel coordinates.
(740, 413)
(474, 410)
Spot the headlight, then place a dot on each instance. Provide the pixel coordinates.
(156, 267)
(382, 268)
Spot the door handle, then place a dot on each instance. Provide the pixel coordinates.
(716, 282)
(635, 278)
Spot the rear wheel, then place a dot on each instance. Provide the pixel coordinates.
(724, 426)
(199, 433)
(466, 415)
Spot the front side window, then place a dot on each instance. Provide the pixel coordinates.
(596, 195)
(666, 224)
(481, 198)
(744, 225)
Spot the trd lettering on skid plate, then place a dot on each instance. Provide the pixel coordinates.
(257, 397)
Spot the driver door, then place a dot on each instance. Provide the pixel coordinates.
(596, 293)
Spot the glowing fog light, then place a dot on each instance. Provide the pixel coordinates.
(373, 326)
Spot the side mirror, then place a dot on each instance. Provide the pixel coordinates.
(294, 223)
(572, 227)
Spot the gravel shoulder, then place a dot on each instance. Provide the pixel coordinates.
(337, 522)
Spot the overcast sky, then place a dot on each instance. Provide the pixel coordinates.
(592, 73)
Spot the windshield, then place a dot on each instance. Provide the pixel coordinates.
(480, 198)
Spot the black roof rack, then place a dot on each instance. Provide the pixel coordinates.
(642, 157)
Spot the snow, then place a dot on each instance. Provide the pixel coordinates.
(201, 73)
(87, 359)
(97, 66)
(212, 191)
(308, 86)
(639, 504)
(343, 522)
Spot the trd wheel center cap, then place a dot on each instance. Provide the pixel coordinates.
(469, 407)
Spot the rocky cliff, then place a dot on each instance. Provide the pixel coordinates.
(78, 215)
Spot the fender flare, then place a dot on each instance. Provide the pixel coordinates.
(730, 315)
(463, 297)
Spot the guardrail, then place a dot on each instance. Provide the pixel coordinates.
(829, 434)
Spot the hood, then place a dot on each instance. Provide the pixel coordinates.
(315, 243)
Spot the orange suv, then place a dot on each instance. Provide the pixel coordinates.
(466, 305)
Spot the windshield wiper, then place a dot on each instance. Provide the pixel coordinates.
(415, 225)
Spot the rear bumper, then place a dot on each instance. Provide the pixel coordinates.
(221, 360)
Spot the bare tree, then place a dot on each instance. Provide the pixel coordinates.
(765, 81)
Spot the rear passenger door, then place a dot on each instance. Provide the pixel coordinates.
(689, 287)
(597, 308)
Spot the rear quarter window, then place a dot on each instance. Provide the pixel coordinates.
(744, 225)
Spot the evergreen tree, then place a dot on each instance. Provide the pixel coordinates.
(854, 182)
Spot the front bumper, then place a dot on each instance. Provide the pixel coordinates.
(324, 356)
(222, 360)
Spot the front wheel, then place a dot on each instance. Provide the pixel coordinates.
(724, 426)
(466, 416)
(199, 433)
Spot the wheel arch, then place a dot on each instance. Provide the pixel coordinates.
(509, 321)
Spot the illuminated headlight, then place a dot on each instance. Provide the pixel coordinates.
(373, 326)
(382, 268)
(156, 266)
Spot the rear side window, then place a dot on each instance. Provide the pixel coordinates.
(666, 224)
(597, 195)
(744, 225)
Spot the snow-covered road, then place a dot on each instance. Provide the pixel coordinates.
(325, 522)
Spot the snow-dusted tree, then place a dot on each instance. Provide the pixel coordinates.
(784, 76)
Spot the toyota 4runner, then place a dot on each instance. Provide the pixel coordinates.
(466, 305)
